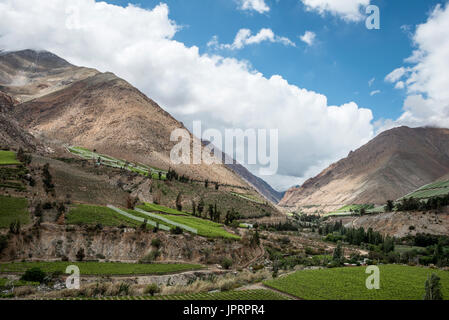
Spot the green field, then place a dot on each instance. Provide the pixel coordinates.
(93, 215)
(396, 283)
(117, 163)
(151, 207)
(436, 189)
(13, 209)
(205, 228)
(98, 268)
(8, 158)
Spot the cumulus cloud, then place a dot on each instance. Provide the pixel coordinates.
(349, 10)
(308, 37)
(371, 81)
(254, 5)
(373, 93)
(426, 80)
(137, 44)
(245, 37)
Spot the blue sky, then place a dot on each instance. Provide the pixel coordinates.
(339, 65)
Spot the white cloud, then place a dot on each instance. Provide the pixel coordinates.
(308, 37)
(244, 37)
(396, 74)
(137, 45)
(399, 85)
(426, 81)
(349, 10)
(373, 93)
(371, 81)
(257, 5)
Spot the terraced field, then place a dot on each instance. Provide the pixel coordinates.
(98, 268)
(93, 215)
(436, 189)
(397, 282)
(8, 158)
(117, 163)
(13, 209)
(151, 207)
(205, 228)
(247, 295)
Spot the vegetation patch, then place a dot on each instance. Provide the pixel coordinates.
(99, 268)
(436, 189)
(397, 282)
(93, 215)
(205, 228)
(351, 209)
(13, 210)
(151, 207)
(8, 158)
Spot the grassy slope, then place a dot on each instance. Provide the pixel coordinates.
(206, 228)
(397, 283)
(8, 158)
(93, 215)
(439, 188)
(98, 268)
(12, 209)
(151, 207)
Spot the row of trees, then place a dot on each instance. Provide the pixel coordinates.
(413, 204)
(337, 232)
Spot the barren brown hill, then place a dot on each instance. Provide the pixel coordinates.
(393, 164)
(11, 134)
(79, 106)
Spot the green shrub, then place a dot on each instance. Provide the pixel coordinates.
(176, 230)
(152, 289)
(156, 243)
(150, 258)
(34, 275)
(226, 263)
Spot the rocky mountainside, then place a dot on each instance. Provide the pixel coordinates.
(11, 132)
(393, 164)
(73, 105)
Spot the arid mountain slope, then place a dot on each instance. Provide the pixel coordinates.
(80, 106)
(11, 134)
(393, 164)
